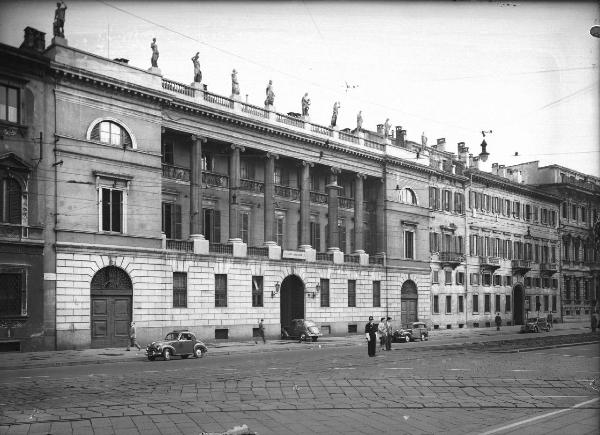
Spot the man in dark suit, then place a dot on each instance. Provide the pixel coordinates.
(371, 335)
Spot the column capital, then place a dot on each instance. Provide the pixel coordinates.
(269, 155)
(361, 175)
(335, 170)
(238, 146)
(196, 137)
(305, 163)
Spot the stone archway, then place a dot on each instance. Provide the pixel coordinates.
(291, 302)
(519, 305)
(409, 303)
(111, 295)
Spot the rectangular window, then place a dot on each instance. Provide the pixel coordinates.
(553, 302)
(446, 195)
(324, 292)
(565, 210)
(474, 279)
(342, 234)
(112, 209)
(546, 302)
(536, 282)
(220, 290)
(509, 280)
(179, 290)
(583, 214)
(434, 198)
(459, 202)
(13, 297)
(461, 305)
(487, 300)
(538, 304)
(279, 224)
(409, 244)
(277, 176)
(460, 278)
(506, 207)
(166, 152)
(171, 220)
(528, 281)
(498, 305)
(448, 304)
(475, 303)
(376, 294)
(435, 277)
(546, 282)
(487, 279)
(315, 236)
(448, 277)
(9, 104)
(497, 279)
(257, 291)
(574, 212)
(212, 225)
(351, 293)
(436, 304)
(244, 223)
(517, 210)
(507, 304)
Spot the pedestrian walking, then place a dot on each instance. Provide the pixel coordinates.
(550, 320)
(389, 332)
(498, 321)
(261, 330)
(381, 331)
(132, 338)
(371, 336)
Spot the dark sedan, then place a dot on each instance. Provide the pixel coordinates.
(179, 342)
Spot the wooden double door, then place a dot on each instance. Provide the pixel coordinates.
(110, 306)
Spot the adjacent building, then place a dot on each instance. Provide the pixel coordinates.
(128, 196)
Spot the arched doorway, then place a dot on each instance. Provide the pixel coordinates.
(519, 305)
(291, 305)
(111, 294)
(408, 298)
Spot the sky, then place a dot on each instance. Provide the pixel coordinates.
(527, 71)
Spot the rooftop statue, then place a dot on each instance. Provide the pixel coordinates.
(336, 107)
(235, 86)
(59, 19)
(197, 71)
(387, 127)
(359, 121)
(154, 59)
(423, 139)
(270, 94)
(305, 104)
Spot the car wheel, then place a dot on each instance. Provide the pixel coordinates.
(314, 338)
(167, 354)
(407, 338)
(151, 358)
(302, 337)
(422, 337)
(198, 352)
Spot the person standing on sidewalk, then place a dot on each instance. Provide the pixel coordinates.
(261, 330)
(549, 320)
(132, 338)
(381, 330)
(388, 333)
(371, 336)
(498, 321)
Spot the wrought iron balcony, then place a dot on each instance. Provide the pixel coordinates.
(180, 245)
(549, 268)
(347, 203)
(491, 263)
(521, 266)
(287, 192)
(252, 186)
(258, 251)
(324, 256)
(216, 180)
(451, 259)
(318, 197)
(175, 172)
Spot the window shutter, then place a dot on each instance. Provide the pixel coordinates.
(217, 225)
(177, 222)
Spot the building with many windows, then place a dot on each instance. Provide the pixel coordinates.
(128, 196)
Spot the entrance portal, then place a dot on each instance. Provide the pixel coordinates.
(291, 300)
(519, 307)
(408, 298)
(111, 294)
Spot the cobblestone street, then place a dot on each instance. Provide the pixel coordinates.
(313, 389)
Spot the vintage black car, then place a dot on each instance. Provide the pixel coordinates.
(535, 324)
(178, 342)
(412, 332)
(302, 330)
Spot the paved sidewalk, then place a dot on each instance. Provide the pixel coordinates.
(25, 360)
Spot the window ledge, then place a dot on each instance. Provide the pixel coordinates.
(9, 321)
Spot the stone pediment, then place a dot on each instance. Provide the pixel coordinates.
(14, 162)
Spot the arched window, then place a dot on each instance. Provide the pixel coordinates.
(111, 132)
(408, 196)
(10, 201)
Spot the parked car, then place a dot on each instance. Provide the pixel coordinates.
(178, 342)
(302, 330)
(416, 330)
(535, 324)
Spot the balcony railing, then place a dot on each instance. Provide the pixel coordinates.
(345, 202)
(19, 232)
(318, 197)
(451, 257)
(374, 145)
(549, 267)
(255, 110)
(321, 130)
(180, 245)
(258, 251)
(218, 99)
(213, 179)
(287, 192)
(348, 137)
(220, 248)
(521, 265)
(252, 186)
(491, 261)
(350, 258)
(180, 88)
(324, 256)
(289, 120)
(376, 259)
(175, 172)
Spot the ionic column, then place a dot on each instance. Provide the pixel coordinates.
(234, 186)
(305, 205)
(358, 213)
(379, 217)
(269, 193)
(196, 186)
(332, 209)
